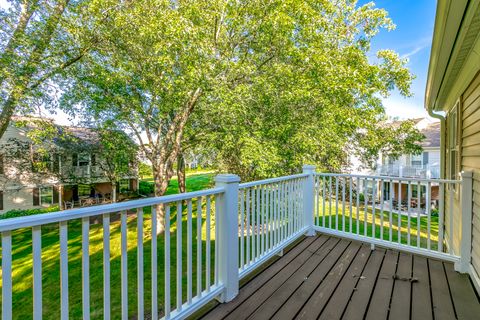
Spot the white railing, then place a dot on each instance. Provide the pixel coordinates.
(421, 171)
(125, 227)
(212, 239)
(271, 216)
(402, 213)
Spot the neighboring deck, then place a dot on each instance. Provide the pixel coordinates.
(330, 278)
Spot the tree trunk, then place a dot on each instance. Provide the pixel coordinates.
(181, 173)
(114, 192)
(161, 184)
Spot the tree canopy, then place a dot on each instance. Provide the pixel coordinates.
(265, 86)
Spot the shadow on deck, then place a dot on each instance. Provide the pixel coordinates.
(325, 277)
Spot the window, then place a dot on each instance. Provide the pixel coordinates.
(423, 190)
(46, 196)
(80, 159)
(83, 159)
(2, 170)
(452, 144)
(416, 160)
(1, 200)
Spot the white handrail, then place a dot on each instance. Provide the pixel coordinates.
(394, 178)
(57, 216)
(272, 180)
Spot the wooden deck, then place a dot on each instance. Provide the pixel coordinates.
(325, 277)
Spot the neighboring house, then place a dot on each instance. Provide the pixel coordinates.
(425, 165)
(70, 178)
(453, 95)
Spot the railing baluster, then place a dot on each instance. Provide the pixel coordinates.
(37, 271)
(343, 204)
(179, 255)
(382, 200)
(86, 267)
(216, 257)
(390, 214)
(248, 205)
(323, 201)
(336, 203)
(208, 248)
(429, 214)
(253, 223)
(189, 251)
(357, 187)
(199, 246)
(399, 215)
(365, 207)
(140, 263)
(374, 204)
(106, 266)
(154, 263)
(63, 270)
(441, 215)
(168, 302)
(350, 196)
(330, 203)
(124, 263)
(262, 219)
(409, 205)
(257, 231)
(242, 229)
(275, 214)
(7, 275)
(450, 200)
(419, 213)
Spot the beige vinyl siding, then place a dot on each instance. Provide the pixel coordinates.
(470, 157)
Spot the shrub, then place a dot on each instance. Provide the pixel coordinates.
(28, 212)
(145, 188)
(434, 212)
(362, 197)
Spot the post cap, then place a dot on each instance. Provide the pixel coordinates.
(309, 168)
(227, 178)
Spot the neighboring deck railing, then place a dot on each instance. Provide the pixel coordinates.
(220, 236)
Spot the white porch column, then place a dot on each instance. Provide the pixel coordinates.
(309, 199)
(466, 210)
(227, 225)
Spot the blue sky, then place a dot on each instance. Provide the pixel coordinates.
(412, 39)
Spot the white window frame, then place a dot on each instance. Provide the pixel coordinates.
(453, 144)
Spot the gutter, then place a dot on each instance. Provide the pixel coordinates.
(442, 140)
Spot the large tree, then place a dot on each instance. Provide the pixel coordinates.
(39, 40)
(267, 84)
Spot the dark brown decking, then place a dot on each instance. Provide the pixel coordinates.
(325, 277)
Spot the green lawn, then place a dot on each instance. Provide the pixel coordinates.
(22, 255)
(22, 262)
(344, 224)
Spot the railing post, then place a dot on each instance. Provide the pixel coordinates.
(466, 228)
(227, 243)
(309, 199)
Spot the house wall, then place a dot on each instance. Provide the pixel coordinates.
(470, 156)
(468, 159)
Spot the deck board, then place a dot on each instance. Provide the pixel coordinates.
(326, 277)
(358, 304)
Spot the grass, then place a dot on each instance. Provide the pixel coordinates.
(22, 257)
(22, 263)
(381, 228)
